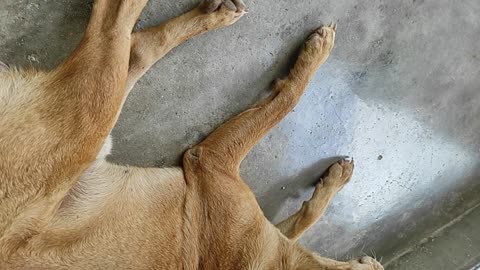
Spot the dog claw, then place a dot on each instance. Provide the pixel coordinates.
(3, 65)
(240, 6)
(333, 26)
(230, 5)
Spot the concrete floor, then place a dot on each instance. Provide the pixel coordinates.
(456, 246)
(400, 93)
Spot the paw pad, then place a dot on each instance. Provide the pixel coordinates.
(209, 6)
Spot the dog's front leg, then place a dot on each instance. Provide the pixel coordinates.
(226, 147)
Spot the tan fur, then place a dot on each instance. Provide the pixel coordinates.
(63, 206)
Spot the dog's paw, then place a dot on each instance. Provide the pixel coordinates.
(209, 6)
(338, 174)
(226, 12)
(365, 263)
(319, 45)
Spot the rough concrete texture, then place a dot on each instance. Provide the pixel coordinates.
(400, 93)
(455, 247)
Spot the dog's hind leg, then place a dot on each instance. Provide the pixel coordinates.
(82, 97)
(151, 44)
(226, 147)
(53, 127)
(337, 175)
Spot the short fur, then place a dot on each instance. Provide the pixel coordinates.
(63, 206)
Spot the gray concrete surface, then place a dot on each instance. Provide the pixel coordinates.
(400, 93)
(454, 247)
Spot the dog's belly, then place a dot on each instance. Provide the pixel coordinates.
(114, 218)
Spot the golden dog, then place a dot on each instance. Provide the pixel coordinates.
(63, 206)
